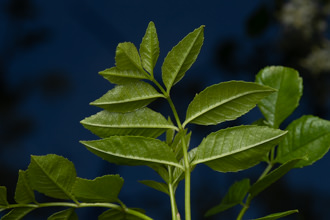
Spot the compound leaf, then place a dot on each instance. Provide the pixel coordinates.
(278, 215)
(272, 177)
(181, 57)
(279, 105)
(100, 189)
(149, 48)
(17, 213)
(52, 175)
(142, 122)
(128, 97)
(162, 187)
(308, 136)
(3, 196)
(68, 214)
(234, 196)
(225, 101)
(237, 148)
(24, 193)
(132, 150)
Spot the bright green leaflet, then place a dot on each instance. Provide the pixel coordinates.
(100, 189)
(118, 76)
(128, 97)
(24, 192)
(128, 150)
(225, 101)
(236, 148)
(149, 49)
(181, 57)
(142, 122)
(308, 136)
(52, 175)
(279, 105)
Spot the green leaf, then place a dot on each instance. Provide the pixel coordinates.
(101, 189)
(128, 97)
(308, 136)
(3, 196)
(142, 122)
(17, 213)
(52, 175)
(149, 48)
(128, 65)
(24, 193)
(128, 58)
(279, 105)
(278, 215)
(225, 101)
(272, 177)
(131, 150)
(120, 76)
(68, 214)
(181, 57)
(234, 196)
(115, 214)
(237, 148)
(162, 187)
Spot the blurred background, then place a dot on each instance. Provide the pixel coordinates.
(51, 53)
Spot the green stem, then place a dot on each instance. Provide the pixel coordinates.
(184, 149)
(171, 190)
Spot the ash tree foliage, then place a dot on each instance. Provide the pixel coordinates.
(129, 133)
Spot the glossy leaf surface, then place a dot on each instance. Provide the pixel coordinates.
(181, 57)
(3, 196)
(224, 101)
(142, 122)
(277, 215)
(279, 105)
(308, 136)
(68, 214)
(17, 213)
(100, 189)
(119, 76)
(272, 177)
(236, 148)
(128, 58)
(234, 196)
(24, 193)
(128, 97)
(149, 48)
(162, 187)
(52, 175)
(128, 150)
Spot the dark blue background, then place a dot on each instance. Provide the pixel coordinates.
(50, 55)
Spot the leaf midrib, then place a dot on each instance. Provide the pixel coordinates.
(237, 151)
(212, 107)
(52, 180)
(136, 158)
